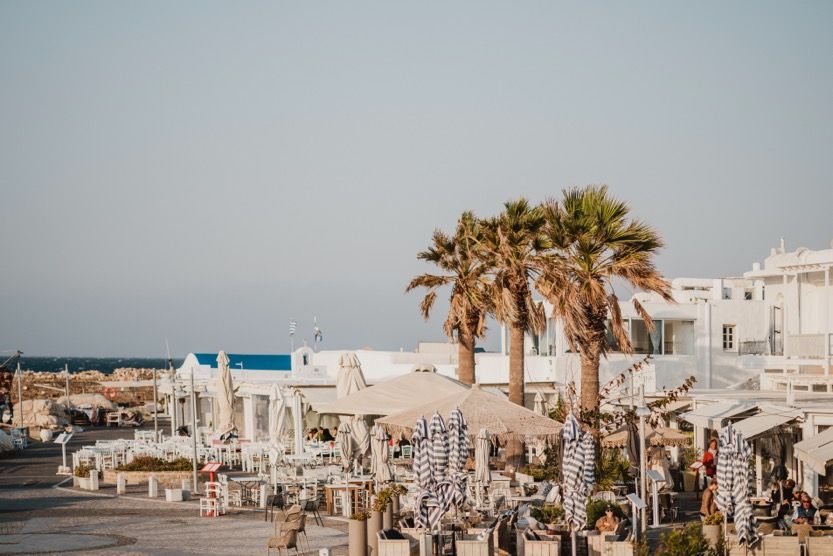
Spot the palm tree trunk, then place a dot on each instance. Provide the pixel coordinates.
(590, 381)
(465, 356)
(516, 364)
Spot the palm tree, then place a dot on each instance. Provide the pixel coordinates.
(512, 245)
(467, 275)
(594, 243)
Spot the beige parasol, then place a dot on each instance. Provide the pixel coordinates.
(660, 436)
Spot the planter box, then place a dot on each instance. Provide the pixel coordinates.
(167, 479)
(712, 533)
(173, 495)
(84, 482)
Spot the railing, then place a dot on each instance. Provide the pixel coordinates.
(810, 346)
(753, 347)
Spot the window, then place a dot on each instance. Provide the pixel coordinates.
(679, 337)
(728, 336)
(644, 341)
(727, 293)
(747, 295)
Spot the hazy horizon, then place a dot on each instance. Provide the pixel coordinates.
(205, 172)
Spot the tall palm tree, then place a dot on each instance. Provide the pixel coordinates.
(467, 275)
(512, 244)
(594, 243)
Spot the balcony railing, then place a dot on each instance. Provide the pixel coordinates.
(809, 346)
(753, 347)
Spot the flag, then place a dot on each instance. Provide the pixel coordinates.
(292, 326)
(316, 332)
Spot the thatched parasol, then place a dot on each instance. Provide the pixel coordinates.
(660, 436)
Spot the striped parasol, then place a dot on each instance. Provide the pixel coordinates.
(379, 466)
(438, 449)
(422, 472)
(458, 445)
(734, 476)
(578, 461)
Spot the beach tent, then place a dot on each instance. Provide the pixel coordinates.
(483, 410)
(420, 386)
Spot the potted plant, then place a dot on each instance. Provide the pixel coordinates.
(397, 490)
(357, 530)
(711, 528)
(549, 515)
(689, 456)
(384, 504)
(81, 476)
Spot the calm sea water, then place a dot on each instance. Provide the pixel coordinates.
(104, 364)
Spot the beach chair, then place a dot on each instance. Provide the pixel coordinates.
(534, 545)
(285, 541)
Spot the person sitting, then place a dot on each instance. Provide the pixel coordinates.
(312, 435)
(327, 436)
(608, 522)
(709, 504)
(783, 503)
(806, 512)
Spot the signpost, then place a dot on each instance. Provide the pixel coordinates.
(655, 477)
(637, 506)
(62, 439)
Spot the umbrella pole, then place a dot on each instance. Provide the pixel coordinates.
(573, 540)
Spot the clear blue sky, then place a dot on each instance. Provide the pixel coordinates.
(205, 171)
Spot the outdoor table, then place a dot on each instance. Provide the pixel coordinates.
(247, 485)
(330, 491)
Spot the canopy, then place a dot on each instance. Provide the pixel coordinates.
(483, 410)
(660, 436)
(224, 395)
(711, 416)
(765, 422)
(816, 451)
(403, 392)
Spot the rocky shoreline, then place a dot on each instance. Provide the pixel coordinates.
(51, 385)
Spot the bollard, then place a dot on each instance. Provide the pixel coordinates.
(93, 480)
(186, 489)
(153, 487)
(121, 484)
(263, 496)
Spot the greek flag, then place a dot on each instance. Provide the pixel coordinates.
(292, 326)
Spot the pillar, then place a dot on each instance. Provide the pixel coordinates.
(827, 323)
(153, 487)
(121, 484)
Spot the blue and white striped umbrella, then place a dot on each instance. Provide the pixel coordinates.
(578, 467)
(421, 467)
(734, 478)
(439, 451)
(458, 440)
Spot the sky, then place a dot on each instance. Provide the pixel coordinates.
(203, 172)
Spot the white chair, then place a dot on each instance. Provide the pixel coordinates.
(211, 507)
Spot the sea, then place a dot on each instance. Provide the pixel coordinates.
(104, 364)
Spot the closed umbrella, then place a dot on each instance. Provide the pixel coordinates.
(361, 437)
(224, 395)
(578, 461)
(438, 451)
(350, 380)
(344, 438)
(734, 475)
(458, 452)
(482, 475)
(277, 420)
(540, 405)
(379, 465)
(422, 471)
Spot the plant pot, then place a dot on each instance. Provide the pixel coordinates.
(374, 525)
(357, 531)
(689, 476)
(84, 482)
(75, 481)
(387, 517)
(712, 534)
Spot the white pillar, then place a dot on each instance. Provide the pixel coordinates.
(121, 484)
(153, 487)
(784, 328)
(759, 469)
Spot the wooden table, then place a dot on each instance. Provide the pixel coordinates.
(331, 491)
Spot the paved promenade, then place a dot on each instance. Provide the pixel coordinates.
(38, 515)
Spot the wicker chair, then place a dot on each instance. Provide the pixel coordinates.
(285, 541)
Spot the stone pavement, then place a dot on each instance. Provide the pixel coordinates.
(39, 517)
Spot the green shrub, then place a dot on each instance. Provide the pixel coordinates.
(683, 542)
(541, 472)
(84, 471)
(612, 468)
(148, 463)
(548, 514)
(596, 509)
(382, 499)
(715, 519)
